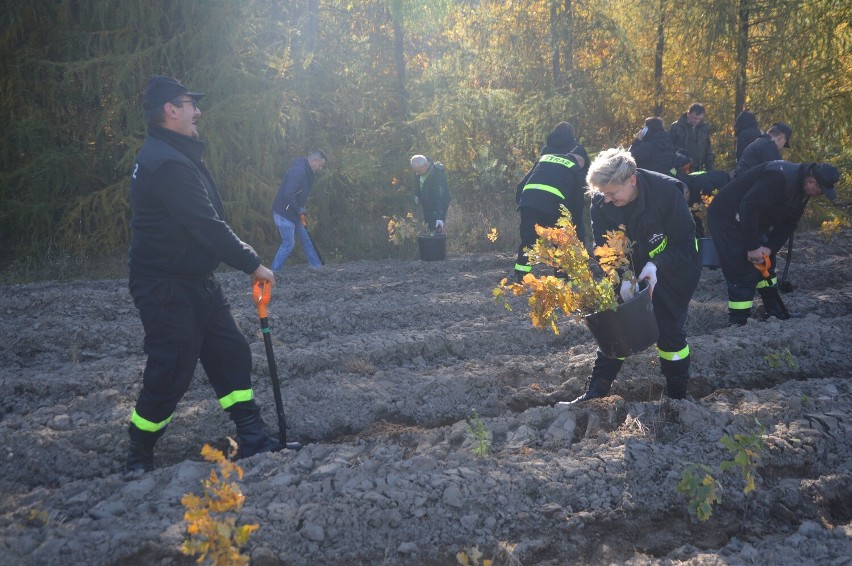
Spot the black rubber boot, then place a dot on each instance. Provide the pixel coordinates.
(773, 304)
(140, 452)
(738, 317)
(603, 374)
(676, 373)
(252, 437)
(597, 388)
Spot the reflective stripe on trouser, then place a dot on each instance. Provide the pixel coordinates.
(187, 320)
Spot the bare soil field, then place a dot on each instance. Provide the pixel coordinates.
(381, 365)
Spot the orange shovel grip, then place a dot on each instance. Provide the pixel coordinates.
(261, 293)
(763, 268)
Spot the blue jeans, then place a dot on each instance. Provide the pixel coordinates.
(289, 232)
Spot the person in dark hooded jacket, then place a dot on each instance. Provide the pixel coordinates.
(752, 217)
(556, 179)
(767, 147)
(746, 130)
(651, 209)
(653, 150)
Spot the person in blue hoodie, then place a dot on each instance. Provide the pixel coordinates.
(288, 209)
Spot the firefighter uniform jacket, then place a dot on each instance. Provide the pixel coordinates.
(178, 227)
(761, 206)
(553, 181)
(659, 224)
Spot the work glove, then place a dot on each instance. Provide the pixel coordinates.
(627, 291)
(416, 200)
(303, 217)
(649, 272)
(439, 225)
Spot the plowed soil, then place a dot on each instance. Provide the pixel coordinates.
(381, 365)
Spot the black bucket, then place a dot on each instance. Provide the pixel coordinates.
(628, 329)
(433, 247)
(707, 253)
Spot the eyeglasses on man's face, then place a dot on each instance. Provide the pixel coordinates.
(181, 102)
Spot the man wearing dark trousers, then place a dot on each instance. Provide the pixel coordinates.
(752, 217)
(651, 209)
(178, 238)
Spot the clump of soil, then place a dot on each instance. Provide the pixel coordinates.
(381, 365)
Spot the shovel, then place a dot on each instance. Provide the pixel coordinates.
(262, 292)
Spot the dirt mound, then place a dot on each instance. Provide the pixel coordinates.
(381, 365)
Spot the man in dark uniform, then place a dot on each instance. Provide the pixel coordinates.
(657, 220)
(746, 130)
(554, 180)
(431, 190)
(178, 237)
(751, 217)
(767, 147)
(653, 150)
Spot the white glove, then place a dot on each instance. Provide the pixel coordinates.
(416, 200)
(627, 290)
(649, 272)
(439, 224)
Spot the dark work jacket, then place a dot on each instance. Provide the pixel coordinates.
(662, 231)
(760, 207)
(294, 189)
(761, 150)
(746, 130)
(704, 183)
(553, 181)
(434, 194)
(560, 143)
(696, 142)
(178, 227)
(655, 153)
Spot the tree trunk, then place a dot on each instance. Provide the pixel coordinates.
(568, 51)
(658, 61)
(742, 57)
(399, 57)
(554, 44)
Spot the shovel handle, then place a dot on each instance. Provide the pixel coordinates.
(261, 292)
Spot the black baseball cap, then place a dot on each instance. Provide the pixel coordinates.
(826, 175)
(161, 89)
(784, 129)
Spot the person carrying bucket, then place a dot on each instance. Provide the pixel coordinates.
(650, 208)
(431, 191)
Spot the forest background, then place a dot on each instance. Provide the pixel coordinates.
(476, 84)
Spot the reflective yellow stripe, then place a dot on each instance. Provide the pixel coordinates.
(525, 268)
(740, 305)
(146, 425)
(659, 248)
(558, 160)
(767, 284)
(236, 397)
(674, 356)
(547, 188)
(696, 244)
(698, 173)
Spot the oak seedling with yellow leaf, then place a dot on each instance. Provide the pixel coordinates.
(578, 292)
